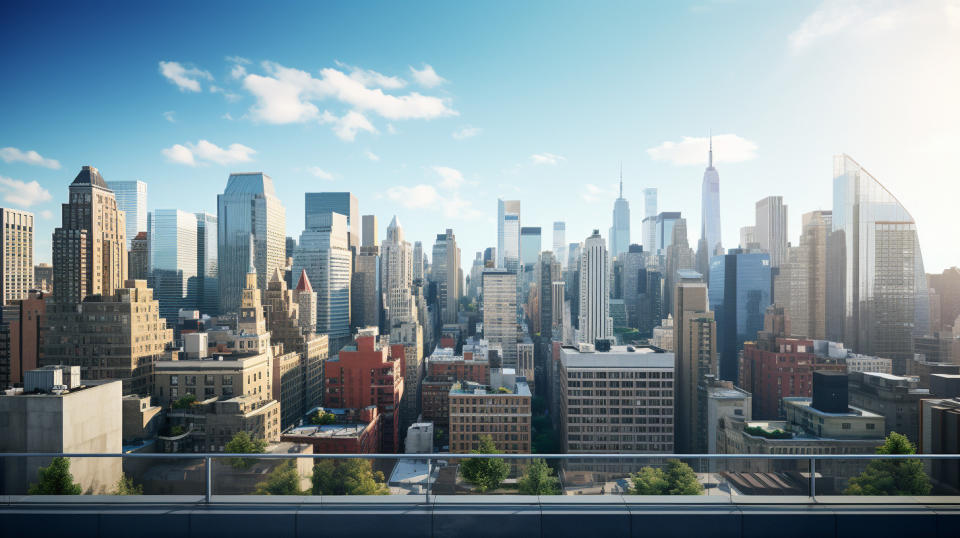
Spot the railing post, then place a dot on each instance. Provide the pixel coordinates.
(209, 469)
(813, 479)
(429, 474)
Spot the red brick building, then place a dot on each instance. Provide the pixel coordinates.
(22, 319)
(443, 370)
(775, 368)
(356, 431)
(363, 374)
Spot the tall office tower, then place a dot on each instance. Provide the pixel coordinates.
(652, 307)
(43, 277)
(739, 296)
(307, 299)
(419, 262)
(557, 318)
(560, 242)
(365, 291)
(530, 246)
(508, 233)
(173, 261)
(324, 253)
(20, 323)
(500, 312)
(620, 230)
(208, 279)
(877, 295)
(801, 285)
(710, 236)
(595, 322)
(633, 282)
(679, 256)
(947, 286)
(132, 200)
(291, 245)
(409, 337)
(447, 274)
(490, 257)
(119, 335)
(138, 259)
(694, 342)
(16, 254)
(548, 272)
(663, 231)
(317, 204)
(771, 228)
(250, 318)
(89, 247)
(650, 220)
(748, 238)
(396, 274)
(249, 216)
(476, 276)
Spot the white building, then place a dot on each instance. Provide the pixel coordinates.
(595, 321)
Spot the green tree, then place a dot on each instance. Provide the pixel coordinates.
(892, 477)
(185, 402)
(125, 486)
(677, 479)
(347, 477)
(283, 480)
(538, 479)
(243, 443)
(323, 418)
(485, 473)
(55, 480)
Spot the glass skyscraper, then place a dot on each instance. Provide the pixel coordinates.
(560, 242)
(650, 220)
(530, 245)
(710, 207)
(318, 204)
(877, 298)
(324, 253)
(132, 199)
(251, 227)
(739, 294)
(508, 233)
(620, 231)
(664, 231)
(173, 261)
(208, 289)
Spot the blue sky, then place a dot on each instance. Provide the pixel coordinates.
(538, 101)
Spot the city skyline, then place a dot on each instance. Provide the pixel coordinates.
(161, 106)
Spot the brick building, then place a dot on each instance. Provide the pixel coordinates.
(355, 431)
(444, 368)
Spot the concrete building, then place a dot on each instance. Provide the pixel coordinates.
(560, 242)
(500, 312)
(115, 336)
(85, 417)
(396, 275)
(90, 246)
(710, 234)
(620, 229)
(448, 275)
(663, 335)
(20, 323)
(132, 200)
(138, 259)
(43, 277)
(409, 336)
(678, 257)
(695, 352)
(771, 228)
(595, 321)
(501, 410)
(723, 400)
(229, 371)
(895, 397)
(16, 254)
(419, 438)
(800, 287)
(940, 434)
(324, 254)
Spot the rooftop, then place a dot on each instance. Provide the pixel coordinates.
(617, 357)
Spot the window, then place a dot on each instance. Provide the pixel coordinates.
(871, 426)
(845, 425)
(174, 380)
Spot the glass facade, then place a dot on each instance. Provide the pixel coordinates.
(323, 252)
(739, 294)
(173, 261)
(208, 291)
(508, 232)
(877, 297)
(530, 245)
(318, 204)
(132, 199)
(664, 230)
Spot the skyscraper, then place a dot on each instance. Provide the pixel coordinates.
(801, 285)
(663, 231)
(771, 228)
(369, 236)
(396, 274)
(89, 247)
(650, 220)
(365, 291)
(419, 261)
(448, 275)
(633, 282)
(679, 256)
(549, 272)
(560, 242)
(251, 225)
(345, 203)
(500, 312)
(739, 297)
(132, 200)
(208, 288)
(877, 297)
(16, 254)
(595, 322)
(172, 235)
(530, 246)
(508, 233)
(324, 254)
(695, 351)
(138, 259)
(710, 236)
(620, 230)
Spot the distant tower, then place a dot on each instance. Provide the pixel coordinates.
(16, 256)
(595, 321)
(620, 231)
(710, 236)
(132, 200)
(508, 234)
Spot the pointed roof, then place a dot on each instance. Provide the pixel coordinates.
(90, 176)
(277, 277)
(304, 283)
(394, 223)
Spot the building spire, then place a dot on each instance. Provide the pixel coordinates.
(710, 165)
(621, 179)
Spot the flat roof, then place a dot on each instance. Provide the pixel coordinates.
(329, 431)
(853, 412)
(617, 357)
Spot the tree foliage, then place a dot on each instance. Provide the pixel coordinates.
(56, 479)
(185, 402)
(892, 477)
(347, 477)
(323, 419)
(282, 480)
(125, 486)
(677, 479)
(485, 473)
(538, 479)
(243, 443)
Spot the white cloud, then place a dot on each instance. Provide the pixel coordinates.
(186, 78)
(13, 155)
(46, 214)
(593, 193)
(227, 116)
(22, 193)
(194, 154)
(547, 158)
(416, 197)
(371, 155)
(426, 77)
(318, 172)
(727, 148)
(169, 116)
(238, 60)
(232, 97)
(450, 178)
(466, 132)
(371, 78)
(238, 72)
(347, 127)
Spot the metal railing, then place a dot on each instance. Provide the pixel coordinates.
(208, 458)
